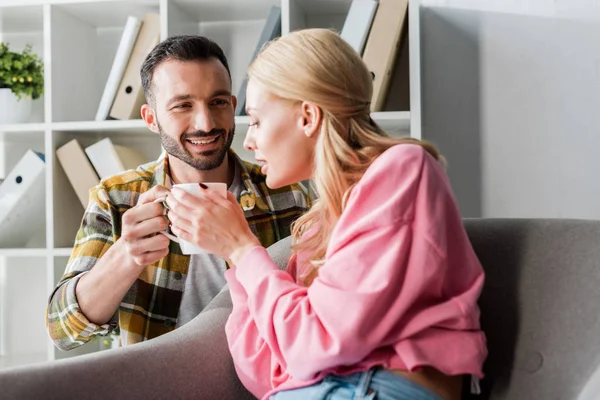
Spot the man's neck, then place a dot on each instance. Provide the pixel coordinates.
(183, 173)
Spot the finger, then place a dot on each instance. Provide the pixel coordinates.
(148, 227)
(151, 256)
(151, 195)
(183, 205)
(231, 198)
(149, 244)
(180, 222)
(182, 233)
(184, 197)
(215, 196)
(141, 213)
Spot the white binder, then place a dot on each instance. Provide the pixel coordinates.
(357, 24)
(22, 201)
(130, 34)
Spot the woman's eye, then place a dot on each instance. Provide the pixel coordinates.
(253, 124)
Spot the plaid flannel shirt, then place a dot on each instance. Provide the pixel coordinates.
(150, 307)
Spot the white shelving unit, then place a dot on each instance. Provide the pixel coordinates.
(77, 41)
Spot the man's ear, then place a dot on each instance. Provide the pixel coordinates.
(150, 118)
(234, 102)
(311, 117)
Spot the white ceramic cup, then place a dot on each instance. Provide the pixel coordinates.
(188, 248)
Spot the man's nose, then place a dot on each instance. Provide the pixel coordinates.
(204, 120)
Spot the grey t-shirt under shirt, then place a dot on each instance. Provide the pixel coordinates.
(205, 277)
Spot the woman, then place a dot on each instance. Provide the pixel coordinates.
(380, 295)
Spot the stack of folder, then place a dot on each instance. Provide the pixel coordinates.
(123, 95)
(86, 167)
(378, 31)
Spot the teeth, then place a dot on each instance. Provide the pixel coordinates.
(202, 142)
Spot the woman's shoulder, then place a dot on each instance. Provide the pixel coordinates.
(389, 187)
(402, 162)
(401, 155)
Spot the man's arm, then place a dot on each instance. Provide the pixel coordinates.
(101, 270)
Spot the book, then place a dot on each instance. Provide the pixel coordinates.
(78, 168)
(110, 159)
(382, 50)
(358, 23)
(130, 95)
(398, 93)
(22, 201)
(270, 31)
(128, 38)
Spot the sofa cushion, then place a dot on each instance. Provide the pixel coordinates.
(539, 306)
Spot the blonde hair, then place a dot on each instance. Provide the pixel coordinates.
(318, 66)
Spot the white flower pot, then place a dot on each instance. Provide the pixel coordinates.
(13, 110)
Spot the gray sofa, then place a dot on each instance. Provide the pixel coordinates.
(540, 311)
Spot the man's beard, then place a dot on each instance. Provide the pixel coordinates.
(206, 161)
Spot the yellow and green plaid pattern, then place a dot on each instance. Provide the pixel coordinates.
(150, 307)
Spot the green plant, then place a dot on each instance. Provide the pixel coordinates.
(22, 73)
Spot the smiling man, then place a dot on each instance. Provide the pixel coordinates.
(122, 272)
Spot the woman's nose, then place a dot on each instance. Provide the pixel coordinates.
(249, 143)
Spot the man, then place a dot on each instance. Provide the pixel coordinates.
(122, 272)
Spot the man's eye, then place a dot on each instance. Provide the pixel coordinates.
(184, 105)
(221, 102)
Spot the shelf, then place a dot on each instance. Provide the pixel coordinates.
(33, 127)
(78, 40)
(137, 126)
(109, 13)
(23, 252)
(325, 7)
(62, 252)
(21, 19)
(317, 14)
(393, 121)
(222, 11)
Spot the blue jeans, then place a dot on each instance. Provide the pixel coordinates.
(374, 384)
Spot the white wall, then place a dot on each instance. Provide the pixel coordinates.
(3, 301)
(580, 8)
(513, 101)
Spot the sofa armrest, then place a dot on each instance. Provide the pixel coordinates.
(190, 362)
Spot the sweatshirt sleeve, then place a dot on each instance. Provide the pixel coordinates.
(257, 368)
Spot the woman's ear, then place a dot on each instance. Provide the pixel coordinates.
(311, 117)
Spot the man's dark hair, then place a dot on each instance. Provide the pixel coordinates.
(180, 48)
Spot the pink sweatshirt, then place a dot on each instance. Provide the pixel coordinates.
(399, 288)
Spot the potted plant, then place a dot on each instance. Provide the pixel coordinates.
(21, 82)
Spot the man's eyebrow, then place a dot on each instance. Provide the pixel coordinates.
(180, 97)
(221, 92)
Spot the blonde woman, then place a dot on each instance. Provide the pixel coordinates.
(380, 296)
